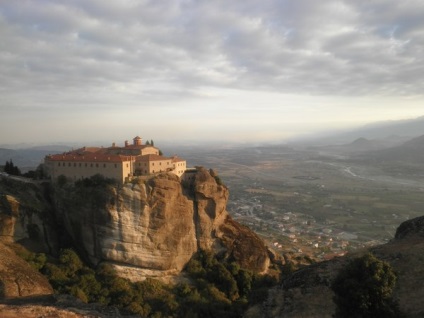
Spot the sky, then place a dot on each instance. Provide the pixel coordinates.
(181, 71)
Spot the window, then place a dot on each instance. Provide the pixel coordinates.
(75, 164)
(91, 165)
(58, 164)
(69, 164)
(86, 165)
(79, 165)
(116, 166)
(97, 165)
(104, 165)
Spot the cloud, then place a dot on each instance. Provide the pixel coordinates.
(87, 55)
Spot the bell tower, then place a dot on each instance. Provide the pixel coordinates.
(137, 141)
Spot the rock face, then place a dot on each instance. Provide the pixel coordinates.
(157, 225)
(307, 292)
(26, 216)
(410, 227)
(18, 278)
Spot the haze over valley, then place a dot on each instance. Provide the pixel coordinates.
(311, 195)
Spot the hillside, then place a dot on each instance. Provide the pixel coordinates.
(152, 234)
(306, 293)
(404, 160)
(387, 131)
(411, 151)
(132, 226)
(29, 158)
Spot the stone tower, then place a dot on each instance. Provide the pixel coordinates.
(137, 141)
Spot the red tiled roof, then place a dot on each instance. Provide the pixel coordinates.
(177, 159)
(137, 147)
(151, 157)
(88, 157)
(90, 149)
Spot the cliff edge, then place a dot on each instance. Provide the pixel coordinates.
(307, 292)
(152, 227)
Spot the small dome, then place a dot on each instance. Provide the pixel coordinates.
(137, 140)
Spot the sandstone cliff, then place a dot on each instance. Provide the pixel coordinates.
(153, 227)
(18, 278)
(26, 216)
(307, 293)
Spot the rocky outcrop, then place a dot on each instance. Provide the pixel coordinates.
(307, 292)
(58, 306)
(156, 225)
(26, 216)
(410, 227)
(18, 278)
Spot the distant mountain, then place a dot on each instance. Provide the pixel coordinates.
(394, 132)
(364, 144)
(31, 157)
(357, 147)
(411, 151)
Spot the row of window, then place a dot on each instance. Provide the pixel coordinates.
(160, 163)
(104, 165)
(63, 164)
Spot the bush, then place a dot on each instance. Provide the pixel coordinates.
(62, 180)
(364, 289)
(36, 260)
(218, 289)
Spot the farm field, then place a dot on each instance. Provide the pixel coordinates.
(301, 200)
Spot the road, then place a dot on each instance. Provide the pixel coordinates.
(365, 173)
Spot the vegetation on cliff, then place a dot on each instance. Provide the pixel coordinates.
(215, 287)
(364, 287)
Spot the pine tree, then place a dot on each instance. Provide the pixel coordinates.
(10, 168)
(7, 167)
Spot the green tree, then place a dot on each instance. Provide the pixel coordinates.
(364, 288)
(11, 169)
(70, 262)
(7, 167)
(61, 180)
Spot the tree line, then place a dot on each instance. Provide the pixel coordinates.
(11, 169)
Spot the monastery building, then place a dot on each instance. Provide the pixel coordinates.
(120, 163)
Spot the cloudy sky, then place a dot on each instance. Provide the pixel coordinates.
(181, 70)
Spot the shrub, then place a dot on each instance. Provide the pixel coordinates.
(364, 288)
(62, 180)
